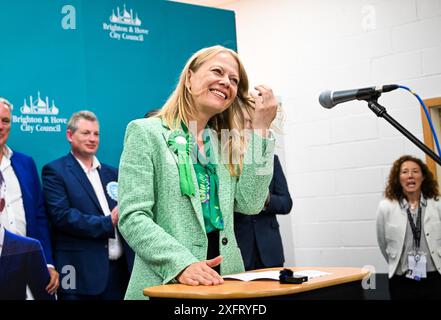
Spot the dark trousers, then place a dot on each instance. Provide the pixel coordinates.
(255, 261)
(213, 247)
(115, 288)
(402, 288)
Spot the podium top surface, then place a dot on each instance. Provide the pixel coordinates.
(236, 289)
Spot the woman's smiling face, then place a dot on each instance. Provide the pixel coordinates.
(214, 84)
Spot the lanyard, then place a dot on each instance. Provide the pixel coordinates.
(416, 229)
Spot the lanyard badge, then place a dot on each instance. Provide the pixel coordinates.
(416, 260)
(417, 266)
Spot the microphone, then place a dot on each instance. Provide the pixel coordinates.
(329, 99)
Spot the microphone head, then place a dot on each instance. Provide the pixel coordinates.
(325, 99)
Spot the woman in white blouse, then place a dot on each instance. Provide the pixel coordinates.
(409, 230)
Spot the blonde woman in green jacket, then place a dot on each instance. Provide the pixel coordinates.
(186, 170)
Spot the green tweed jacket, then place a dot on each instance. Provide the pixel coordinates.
(165, 229)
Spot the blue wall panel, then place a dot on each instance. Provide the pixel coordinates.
(68, 52)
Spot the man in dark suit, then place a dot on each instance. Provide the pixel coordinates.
(258, 236)
(22, 264)
(24, 213)
(81, 198)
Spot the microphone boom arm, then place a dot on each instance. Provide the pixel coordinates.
(380, 111)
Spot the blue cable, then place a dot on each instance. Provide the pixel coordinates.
(426, 111)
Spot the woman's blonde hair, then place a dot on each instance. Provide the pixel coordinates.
(180, 106)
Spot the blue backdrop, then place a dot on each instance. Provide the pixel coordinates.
(118, 59)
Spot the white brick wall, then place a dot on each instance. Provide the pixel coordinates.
(395, 12)
(352, 207)
(337, 161)
(429, 8)
(312, 184)
(417, 36)
(334, 257)
(391, 68)
(354, 128)
(432, 61)
(358, 181)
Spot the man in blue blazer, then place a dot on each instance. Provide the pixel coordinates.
(22, 264)
(81, 198)
(258, 236)
(24, 214)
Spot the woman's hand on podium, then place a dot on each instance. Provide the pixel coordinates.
(201, 273)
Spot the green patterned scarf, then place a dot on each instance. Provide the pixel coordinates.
(208, 180)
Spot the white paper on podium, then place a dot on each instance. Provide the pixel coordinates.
(273, 275)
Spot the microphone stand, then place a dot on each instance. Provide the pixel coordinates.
(380, 111)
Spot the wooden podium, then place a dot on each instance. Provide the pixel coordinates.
(341, 283)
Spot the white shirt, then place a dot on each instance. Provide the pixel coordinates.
(13, 217)
(2, 238)
(115, 246)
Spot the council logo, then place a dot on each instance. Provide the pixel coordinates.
(38, 106)
(125, 25)
(38, 115)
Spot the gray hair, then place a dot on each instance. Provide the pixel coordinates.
(72, 125)
(8, 105)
